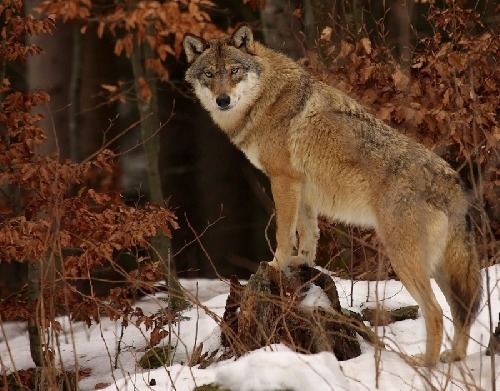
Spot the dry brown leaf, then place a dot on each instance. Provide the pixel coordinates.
(367, 45)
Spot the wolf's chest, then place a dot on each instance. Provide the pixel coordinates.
(252, 153)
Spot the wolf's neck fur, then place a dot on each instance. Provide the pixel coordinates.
(279, 81)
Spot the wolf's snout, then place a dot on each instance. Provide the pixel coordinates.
(223, 101)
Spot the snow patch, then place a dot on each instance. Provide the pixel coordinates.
(315, 297)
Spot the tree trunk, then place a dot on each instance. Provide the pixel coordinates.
(144, 80)
(97, 68)
(47, 72)
(321, 11)
(14, 200)
(34, 330)
(74, 152)
(282, 29)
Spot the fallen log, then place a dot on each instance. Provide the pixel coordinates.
(384, 317)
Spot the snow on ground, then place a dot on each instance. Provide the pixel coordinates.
(272, 368)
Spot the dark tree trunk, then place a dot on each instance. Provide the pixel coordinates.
(150, 131)
(51, 71)
(282, 29)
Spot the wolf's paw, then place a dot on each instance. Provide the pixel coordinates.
(449, 356)
(280, 263)
(308, 257)
(300, 260)
(293, 260)
(420, 360)
(275, 264)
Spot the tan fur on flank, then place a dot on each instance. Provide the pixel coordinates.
(325, 155)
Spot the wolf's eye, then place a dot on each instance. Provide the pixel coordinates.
(208, 74)
(234, 70)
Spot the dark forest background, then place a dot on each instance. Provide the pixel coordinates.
(214, 191)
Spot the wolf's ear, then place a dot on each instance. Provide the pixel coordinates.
(193, 46)
(242, 38)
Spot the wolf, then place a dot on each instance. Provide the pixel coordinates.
(326, 155)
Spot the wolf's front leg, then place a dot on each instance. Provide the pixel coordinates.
(308, 230)
(286, 193)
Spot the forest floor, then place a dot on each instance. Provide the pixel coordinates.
(273, 368)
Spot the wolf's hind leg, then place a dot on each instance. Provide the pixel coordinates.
(459, 277)
(417, 281)
(407, 254)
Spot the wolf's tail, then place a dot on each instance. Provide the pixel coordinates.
(462, 268)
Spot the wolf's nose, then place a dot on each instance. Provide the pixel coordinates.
(223, 101)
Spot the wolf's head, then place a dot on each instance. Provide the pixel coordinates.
(224, 73)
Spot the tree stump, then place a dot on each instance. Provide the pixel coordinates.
(494, 344)
(271, 309)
